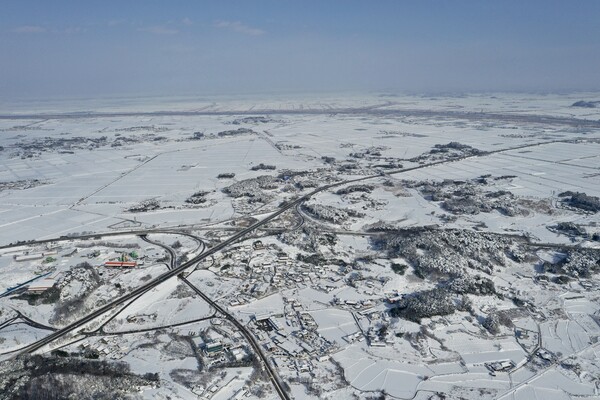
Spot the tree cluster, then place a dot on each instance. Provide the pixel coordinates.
(585, 104)
(235, 132)
(50, 378)
(144, 206)
(477, 285)
(424, 304)
(330, 213)
(252, 187)
(578, 263)
(262, 166)
(569, 229)
(355, 188)
(581, 201)
(252, 120)
(197, 198)
(452, 150)
(445, 253)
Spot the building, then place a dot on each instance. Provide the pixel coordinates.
(123, 264)
(34, 256)
(41, 285)
(29, 257)
(238, 354)
(274, 324)
(213, 347)
(500, 366)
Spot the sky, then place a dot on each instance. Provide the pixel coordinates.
(93, 48)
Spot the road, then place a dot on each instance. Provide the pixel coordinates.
(168, 249)
(177, 270)
(152, 329)
(171, 265)
(539, 373)
(136, 232)
(283, 208)
(273, 376)
(170, 274)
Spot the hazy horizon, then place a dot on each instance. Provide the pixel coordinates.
(68, 49)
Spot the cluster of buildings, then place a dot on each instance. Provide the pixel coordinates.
(359, 305)
(291, 338)
(500, 366)
(41, 285)
(109, 347)
(265, 269)
(221, 344)
(44, 277)
(50, 257)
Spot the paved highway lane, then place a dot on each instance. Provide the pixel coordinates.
(176, 270)
(273, 375)
(283, 208)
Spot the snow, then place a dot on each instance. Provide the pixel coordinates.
(18, 335)
(164, 311)
(366, 374)
(92, 189)
(266, 306)
(335, 324)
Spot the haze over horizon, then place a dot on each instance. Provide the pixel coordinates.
(70, 49)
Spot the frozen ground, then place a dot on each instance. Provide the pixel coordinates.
(469, 206)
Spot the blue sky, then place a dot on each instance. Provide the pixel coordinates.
(94, 48)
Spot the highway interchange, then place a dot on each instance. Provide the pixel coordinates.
(177, 270)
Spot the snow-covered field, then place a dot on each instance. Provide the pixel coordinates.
(318, 287)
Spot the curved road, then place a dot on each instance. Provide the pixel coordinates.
(241, 234)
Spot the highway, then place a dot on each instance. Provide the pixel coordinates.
(171, 265)
(177, 270)
(174, 272)
(283, 208)
(273, 375)
(173, 230)
(165, 276)
(136, 232)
